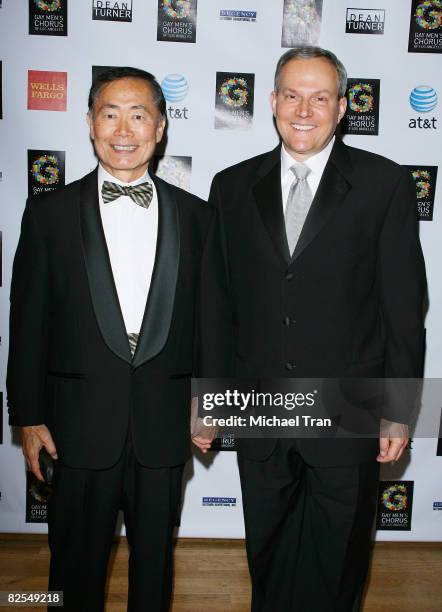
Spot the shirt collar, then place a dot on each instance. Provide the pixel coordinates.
(316, 162)
(104, 175)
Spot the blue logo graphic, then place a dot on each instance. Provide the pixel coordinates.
(423, 99)
(175, 87)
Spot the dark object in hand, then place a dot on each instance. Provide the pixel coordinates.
(46, 464)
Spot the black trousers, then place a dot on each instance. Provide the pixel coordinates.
(82, 517)
(307, 531)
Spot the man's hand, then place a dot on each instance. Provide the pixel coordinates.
(392, 441)
(33, 439)
(202, 435)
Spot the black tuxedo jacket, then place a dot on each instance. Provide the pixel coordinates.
(348, 303)
(70, 364)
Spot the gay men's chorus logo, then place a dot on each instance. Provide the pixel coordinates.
(37, 496)
(177, 20)
(48, 17)
(424, 178)
(395, 504)
(47, 90)
(175, 89)
(301, 22)
(423, 99)
(226, 442)
(234, 100)
(110, 10)
(176, 170)
(425, 27)
(362, 115)
(46, 171)
(365, 21)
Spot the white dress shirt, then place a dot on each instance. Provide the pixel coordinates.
(316, 163)
(131, 237)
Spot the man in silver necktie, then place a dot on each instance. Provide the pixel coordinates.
(325, 279)
(101, 348)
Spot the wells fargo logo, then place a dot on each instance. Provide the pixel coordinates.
(47, 90)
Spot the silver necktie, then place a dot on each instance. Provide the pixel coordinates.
(298, 204)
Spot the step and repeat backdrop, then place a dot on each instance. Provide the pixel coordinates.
(215, 61)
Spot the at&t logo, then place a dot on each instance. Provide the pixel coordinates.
(175, 88)
(423, 99)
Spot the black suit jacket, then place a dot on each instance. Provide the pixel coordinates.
(70, 364)
(348, 303)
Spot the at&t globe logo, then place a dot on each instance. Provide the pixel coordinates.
(175, 88)
(423, 99)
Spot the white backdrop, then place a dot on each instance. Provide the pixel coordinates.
(221, 46)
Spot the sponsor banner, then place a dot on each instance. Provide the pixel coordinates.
(226, 442)
(48, 17)
(177, 20)
(365, 21)
(219, 501)
(425, 178)
(234, 98)
(110, 10)
(175, 88)
(226, 15)
(176, 170)
(47, 90)
(301, 22)
(362, 115)
(425, 27)
(46, 171)
(437, 505)
(395, 504)
(423, 99)
(37, 495)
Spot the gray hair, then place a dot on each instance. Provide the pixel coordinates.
(310, 53)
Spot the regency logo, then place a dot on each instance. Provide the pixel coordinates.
(110, 10)
(234, 100)
(423, 99)
(365, 21)
(362, 115)
(47, 90)
(46, 171)
(177, 20)
(425, 27)
(48, 17)
(395, 505)
(232, 15)
(219, 501)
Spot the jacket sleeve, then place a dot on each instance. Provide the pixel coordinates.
(402, 290)
(28, 329)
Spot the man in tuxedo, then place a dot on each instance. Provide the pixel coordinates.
(101, 348)
(325, 278)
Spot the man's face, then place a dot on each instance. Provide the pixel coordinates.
(125, 126)
(306, 107)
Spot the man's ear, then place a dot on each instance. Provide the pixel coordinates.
(273, 102)
(90, 123)
(160, 129)
(342, 105)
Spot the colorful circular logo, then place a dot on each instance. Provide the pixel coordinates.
(175, 87)
(422, 179)
(234, 92)
(360, 98)
(177, 9)
(45, 170)
(423, 99)
(395, 497)
(429, 14)
(48, 5)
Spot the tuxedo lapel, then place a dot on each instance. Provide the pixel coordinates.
(99, 271)
(267, 193)
(334, 186)
(159, 306)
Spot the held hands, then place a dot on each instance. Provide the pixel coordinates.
(34, 437)
(202, 435)
(393, 438)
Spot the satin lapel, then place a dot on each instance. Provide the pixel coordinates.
(99, 271)
(267, 193)
(159, 306)
(332, 190)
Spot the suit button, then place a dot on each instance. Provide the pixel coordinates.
(286, 321)
(290, 365)
(289, 276)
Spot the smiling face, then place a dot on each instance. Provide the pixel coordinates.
(125, 126)
(306, 106)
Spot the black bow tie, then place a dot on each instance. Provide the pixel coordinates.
(140, 194)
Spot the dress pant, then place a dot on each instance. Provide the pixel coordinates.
(82, 517)
(307, 531)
